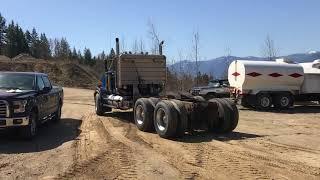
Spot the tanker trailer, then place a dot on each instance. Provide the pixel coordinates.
(265, 84)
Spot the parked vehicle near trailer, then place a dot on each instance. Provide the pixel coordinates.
(28, 99)
(263, 84)
(215, 89)
(137, 81)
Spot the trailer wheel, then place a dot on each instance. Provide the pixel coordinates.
(223, 122)
(235, 112)
(283, 101)
(143, 114)
(165, 119)
(244, 101)
(263, 101)
(183, 117)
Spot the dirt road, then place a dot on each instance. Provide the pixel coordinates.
(265, 145)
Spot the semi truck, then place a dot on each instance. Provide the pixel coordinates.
(278, 84)
(137, 81)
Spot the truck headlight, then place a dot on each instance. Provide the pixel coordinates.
(19, 106)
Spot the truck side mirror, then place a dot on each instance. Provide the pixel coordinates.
(45, 90)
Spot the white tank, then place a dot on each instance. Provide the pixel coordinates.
(255, 76)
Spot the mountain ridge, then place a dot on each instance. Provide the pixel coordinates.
(217, 67)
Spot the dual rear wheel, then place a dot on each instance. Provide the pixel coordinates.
(162, 117)
(169, 118)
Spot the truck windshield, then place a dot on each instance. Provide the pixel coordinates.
(17, 81)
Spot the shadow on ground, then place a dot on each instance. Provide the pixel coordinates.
(204, 136)
(295, 110)
(50, 136)
(194, 137)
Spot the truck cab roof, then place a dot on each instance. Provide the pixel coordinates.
(26, 73)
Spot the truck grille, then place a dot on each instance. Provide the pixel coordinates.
(195, 92)
(3, 108)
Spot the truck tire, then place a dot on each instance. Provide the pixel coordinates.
(100, 110)
(183, 117)
(57, 114)
(210, 96)
(30, 131)
(263, 101)
(235, 112)
(165, 119)
(199, 98)
(98, 106)
(143, 115)
(283, 101)
(223, 122)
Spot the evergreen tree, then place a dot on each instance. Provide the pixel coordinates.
(44, 47)
(79, 55)
(35, 44)
(74, 54)
(15, 41)
(64, 49)
(87, 56)
(56, 48)
(10, 41)
(27, 36)
(2, 33)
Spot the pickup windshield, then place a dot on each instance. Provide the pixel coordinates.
(17, 81)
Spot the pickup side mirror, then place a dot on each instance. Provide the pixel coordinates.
(45, 90)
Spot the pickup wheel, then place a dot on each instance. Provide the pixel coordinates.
(30, 131)
(143, 114)
(57, 114)
(166, 119)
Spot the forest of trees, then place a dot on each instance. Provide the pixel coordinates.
(14, 41)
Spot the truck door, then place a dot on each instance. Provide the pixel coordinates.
(52, 98)
(42, 99)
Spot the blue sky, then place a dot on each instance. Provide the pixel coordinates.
(240, 25)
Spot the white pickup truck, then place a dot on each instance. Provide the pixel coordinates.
(215, 89)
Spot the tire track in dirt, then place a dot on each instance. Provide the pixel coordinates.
(150, 163)
(268, 161)
(115, 162)
(131, 132)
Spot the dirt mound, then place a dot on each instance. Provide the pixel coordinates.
(67, 74)
(4, 58)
